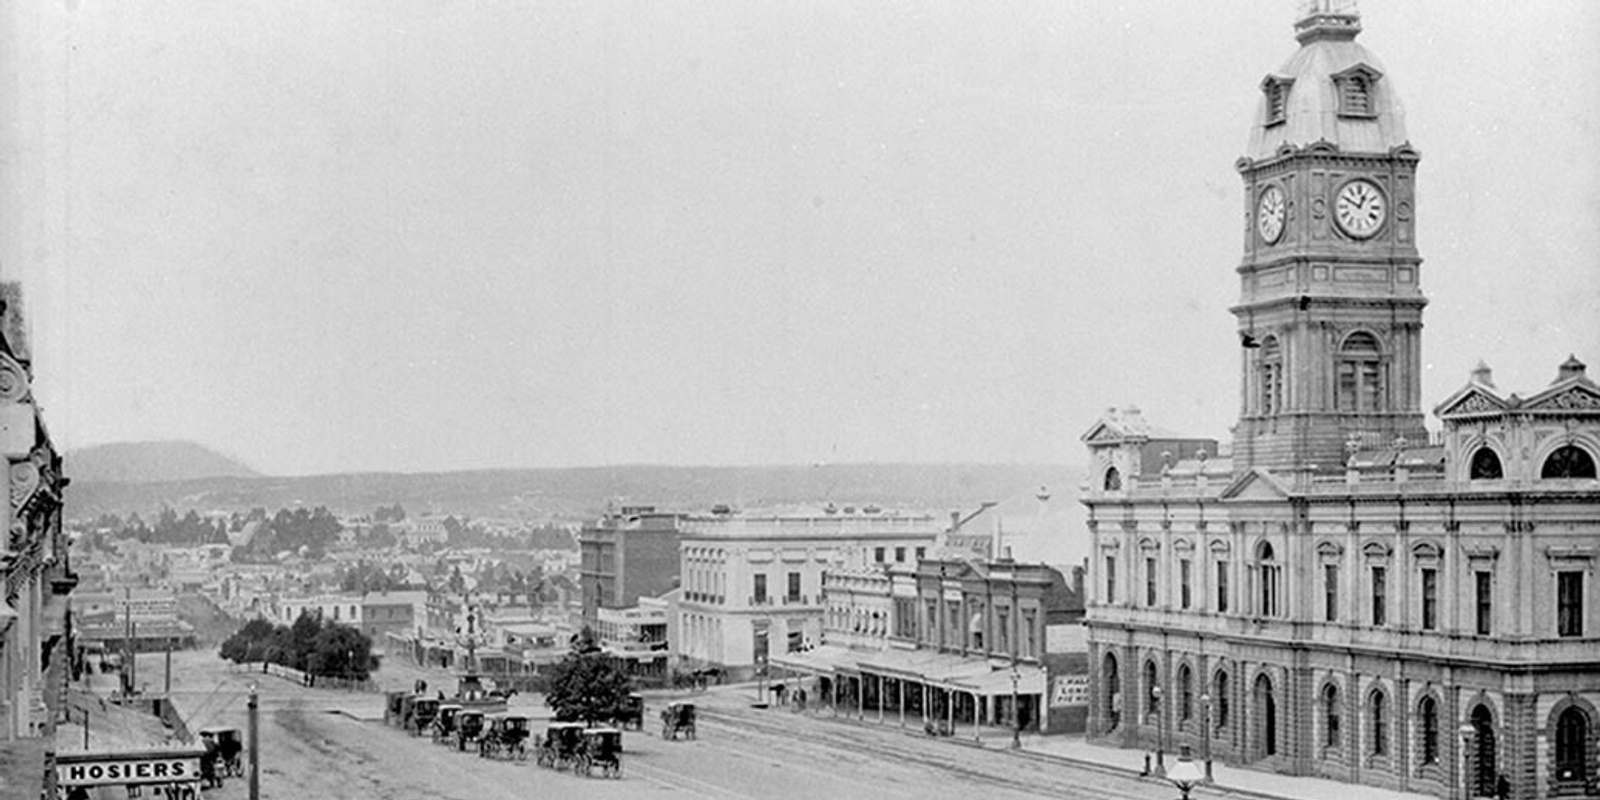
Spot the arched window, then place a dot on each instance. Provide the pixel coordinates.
(1152, 688)
(1360, 374)
(1267, 716)
(1113, 480)
(1108, 675)
(1268, 573)
(1568, 462)
(1486, 465)
(1269, 375)
(1484, 767)
(1377, 715)
(1572, 737)
(1428, 720)
(1330, 716)
(1185, 693)
(1221, 702)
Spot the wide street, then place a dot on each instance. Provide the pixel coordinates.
(333, 744)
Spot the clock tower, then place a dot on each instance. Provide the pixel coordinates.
(1330, 307)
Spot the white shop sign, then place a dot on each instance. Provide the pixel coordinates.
(1070, 690)
(127, 772)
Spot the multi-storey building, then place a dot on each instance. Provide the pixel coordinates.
(344, 609)
(952, 640)
(1345, 595)
(638, 636)
(35, 569)
(383, 613)
(752, 582)
(626, 556)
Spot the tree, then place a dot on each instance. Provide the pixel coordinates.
(249, 643)
(340, 651)
(587, 684)
(303, 638)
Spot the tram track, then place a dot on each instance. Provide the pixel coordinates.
(856, 738)
(860, 740)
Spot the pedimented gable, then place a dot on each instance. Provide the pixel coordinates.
(1102, 433)
(1472, 400)
(1576, 397)
(1257, 484)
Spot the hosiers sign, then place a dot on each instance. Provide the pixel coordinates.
(127, 769)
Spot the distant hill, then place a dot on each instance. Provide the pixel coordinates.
(577, 493)
(148, 462)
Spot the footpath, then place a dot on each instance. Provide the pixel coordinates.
(1073, 750)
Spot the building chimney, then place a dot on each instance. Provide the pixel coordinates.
(1482, 374)
(1571, 368)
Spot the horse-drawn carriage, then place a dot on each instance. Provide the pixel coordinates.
(394, 707)
(601, 752)
(676, 718)
(562, 745)
(223, 755)
(469, 727)
(420, 713)
(230, 751)
(444, 723)
(629, 713)
(505, 737)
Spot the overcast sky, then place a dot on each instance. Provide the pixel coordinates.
(422, 235)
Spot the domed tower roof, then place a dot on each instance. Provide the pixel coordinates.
(1331, 90)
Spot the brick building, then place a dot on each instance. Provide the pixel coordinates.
(625, 556)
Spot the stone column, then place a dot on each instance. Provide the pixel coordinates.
(1300, 703)
(1355, 723)
(1521, 759)
(1401, 738)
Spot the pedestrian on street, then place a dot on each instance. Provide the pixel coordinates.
(1502, 787)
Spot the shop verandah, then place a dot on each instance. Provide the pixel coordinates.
(943, 694)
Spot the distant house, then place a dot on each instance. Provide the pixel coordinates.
(383, 613)
(245, 535)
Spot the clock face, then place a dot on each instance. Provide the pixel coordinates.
(1270, 213)
(1360, 209)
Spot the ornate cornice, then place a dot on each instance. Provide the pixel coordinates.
(15, 385)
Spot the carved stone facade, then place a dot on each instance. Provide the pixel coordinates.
(35, 572)
(1345, 595)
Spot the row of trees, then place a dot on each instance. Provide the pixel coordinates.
(312, 644)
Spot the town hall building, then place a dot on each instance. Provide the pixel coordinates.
(1343, 593)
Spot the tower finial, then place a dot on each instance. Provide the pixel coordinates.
(1327, 19)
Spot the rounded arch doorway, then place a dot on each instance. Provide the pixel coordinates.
(1482, 753)
(1266, 718)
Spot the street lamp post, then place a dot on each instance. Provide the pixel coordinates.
(1205, 731)
(255, 746)
(761, 680)
(1016, 709)
(1185, 774)
(1161, 732)
(1468, 733)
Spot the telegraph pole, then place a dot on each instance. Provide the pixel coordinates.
(255, 748)
(127, 642)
